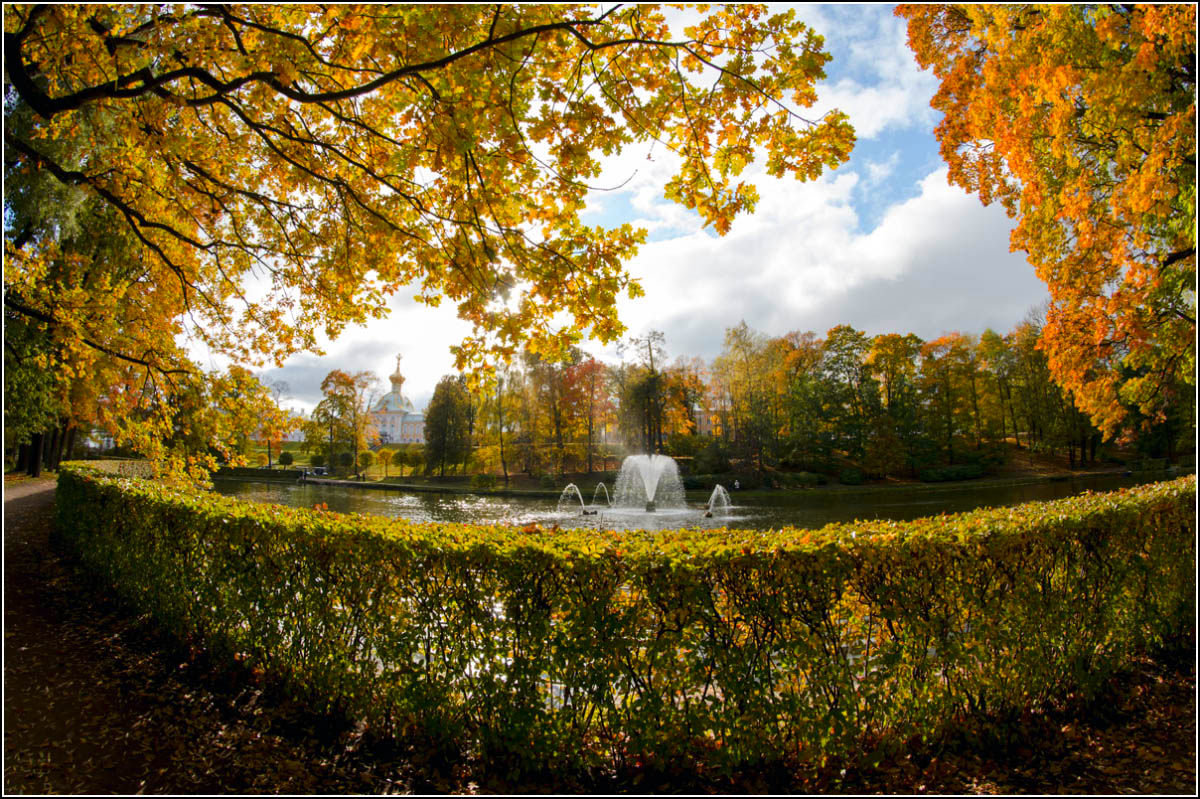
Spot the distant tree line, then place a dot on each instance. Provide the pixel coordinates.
(885, 405)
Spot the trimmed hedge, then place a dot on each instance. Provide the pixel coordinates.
(567, 649)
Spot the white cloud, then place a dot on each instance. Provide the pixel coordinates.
(879, 171)
(889, 92)
(936, 262)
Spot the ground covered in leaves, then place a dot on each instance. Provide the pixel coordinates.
(97, 701)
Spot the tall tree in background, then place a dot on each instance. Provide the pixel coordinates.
(645, 391)
(1081, 121)
(447, 433)
(743, 373)
(590, 384)
(280, 422)
(342, 419)
(328, 156)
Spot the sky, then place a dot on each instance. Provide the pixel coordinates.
(883, 243)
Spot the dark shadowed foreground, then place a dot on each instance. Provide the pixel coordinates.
(97, 701)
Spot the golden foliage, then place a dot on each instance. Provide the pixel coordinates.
(283, 169)
(1081, 121)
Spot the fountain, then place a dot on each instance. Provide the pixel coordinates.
(651, 482)
(565, 505)
(596, 495)
(718, 502)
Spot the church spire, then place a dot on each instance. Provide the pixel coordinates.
(397, 378)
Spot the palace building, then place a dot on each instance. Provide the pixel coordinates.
(395, 417)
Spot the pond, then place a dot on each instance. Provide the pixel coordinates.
(806, 509)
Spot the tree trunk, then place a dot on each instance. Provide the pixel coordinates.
(1012, 411)
(35, 455)
(23, 458)
(62, 452)
(50, 448)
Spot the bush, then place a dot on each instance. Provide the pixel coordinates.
(851, 476)
(941, 474)
(549, 481)
(796, 479)
(483, 482)
(286, 459)
(711, 459)
(316, 460)
(565, 649)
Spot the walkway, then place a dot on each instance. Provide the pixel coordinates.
(95, 703)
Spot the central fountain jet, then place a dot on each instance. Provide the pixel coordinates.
(651, 482)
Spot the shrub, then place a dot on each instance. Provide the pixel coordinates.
(549, 481)
(797, 479)
(851, 476)
(712, 459)
(484, 482)
(941, 474)
(565, 649)
(809, 479)
(286, 459)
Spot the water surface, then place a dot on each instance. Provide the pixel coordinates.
(806, 509)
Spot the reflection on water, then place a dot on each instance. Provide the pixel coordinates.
(800, 509)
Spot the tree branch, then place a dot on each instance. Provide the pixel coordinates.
(41, 316)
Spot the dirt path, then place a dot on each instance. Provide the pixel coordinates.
(95, 701)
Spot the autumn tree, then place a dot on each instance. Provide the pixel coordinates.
(279, 422)
(559, 400)
(742, 370)
(851, 389)
(685, 391)
(497, 415)
(796, 378)
(342, 421)
(588, 380)
(949, 384)
(1081, 121)
(893, 359)
(273, 172)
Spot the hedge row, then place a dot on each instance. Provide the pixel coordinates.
(574, 649)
